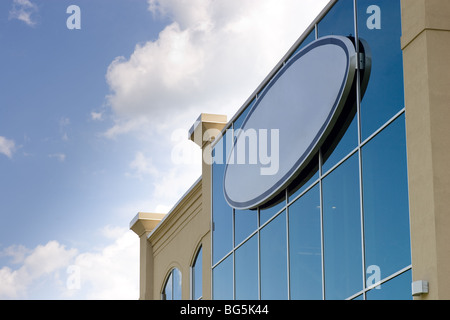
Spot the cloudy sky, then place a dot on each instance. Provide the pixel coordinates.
(94, 120)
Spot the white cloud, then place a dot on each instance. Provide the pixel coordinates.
(173, 184)
(42, 261)
(61, 157)
(96, 116)
(112, 273)
(122, 126)
(7, 146)
(23, 10)
(210, 59)
(167, 181)
(142, 166)
(16, 252)
(45, 271)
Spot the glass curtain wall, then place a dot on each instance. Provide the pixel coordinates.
(341, 229)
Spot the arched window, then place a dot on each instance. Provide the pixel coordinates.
(197, 276)
(172, 288)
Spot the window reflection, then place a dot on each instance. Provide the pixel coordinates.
(197, 272)
(223, 280)
(245, 222)
(342, 231)
(398, 288)
(305, 247)
(246, 272)
(344, 138)
(172, 288)
(168, 289)
(304, 179)
(222, 213)
(340, 144)
(274, 259)
(265, 213)
(385, 192)
(338, 21)
(381, 28)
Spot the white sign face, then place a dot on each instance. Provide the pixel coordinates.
(298, 107)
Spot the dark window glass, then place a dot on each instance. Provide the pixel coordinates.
(268, 212)
(304, 179)
(379, 23)
(274, 259)
(197, 273)
(223, 280)
(338, 21)
(342, 231)
(305, 247)
(339, 145)
(344, 138)
(246, 273)
(385, 194)
(168, 289)
(398, 288)
(222, 213)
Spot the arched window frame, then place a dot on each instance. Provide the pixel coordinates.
(196, 262)
(176, 291)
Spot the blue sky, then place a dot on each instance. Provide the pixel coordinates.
(93, 124)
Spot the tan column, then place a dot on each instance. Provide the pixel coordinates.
(426, 49)
(142, 225)
(206, 129)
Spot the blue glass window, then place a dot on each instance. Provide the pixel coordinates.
(168, 289)
(398, 288)
(223, 280)
(245, 223)
(379, 23)
(324, 254)
(305, 243)
(172, 288)
(342, 231)
(304, 180)
(176, 284)
(197, 272)
(222, 213)
(385, 194)
(246, 273)
(338, 21)
(273, 244)
(268, 212)
(339, 145)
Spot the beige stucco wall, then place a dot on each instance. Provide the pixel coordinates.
(426, 48)
(172, 240)
(176, 240)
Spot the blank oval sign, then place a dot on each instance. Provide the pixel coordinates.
(289, 121)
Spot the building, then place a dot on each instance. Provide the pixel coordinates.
(364, 215)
